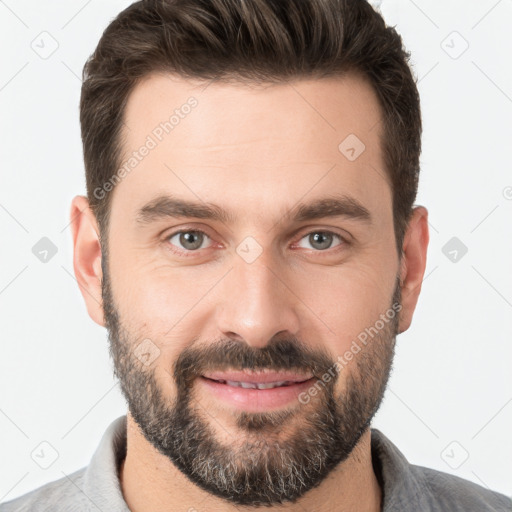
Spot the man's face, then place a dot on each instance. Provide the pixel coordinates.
(261, 290)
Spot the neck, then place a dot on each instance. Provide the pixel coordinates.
(150, 481)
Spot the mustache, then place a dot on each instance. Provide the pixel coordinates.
(277, 355)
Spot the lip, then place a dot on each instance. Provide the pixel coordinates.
(260, 377)
(257, 400)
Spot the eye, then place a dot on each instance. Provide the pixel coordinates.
(188, 240)
(321, 240)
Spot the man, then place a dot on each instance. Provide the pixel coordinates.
(250, 242)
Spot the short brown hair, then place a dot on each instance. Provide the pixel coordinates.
(260, 41)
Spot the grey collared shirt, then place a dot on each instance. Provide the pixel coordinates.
(405, 487)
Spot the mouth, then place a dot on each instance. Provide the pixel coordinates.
(256, 385)
(256, 391)
(257, 380)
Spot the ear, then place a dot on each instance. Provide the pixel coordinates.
(87, 256)
(413, 264)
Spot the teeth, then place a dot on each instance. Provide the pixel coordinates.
(248, 385)
(233, 383)
(254, 385)
(268, 385)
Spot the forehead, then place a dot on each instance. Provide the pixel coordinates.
(253, 148)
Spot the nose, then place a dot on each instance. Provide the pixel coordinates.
(256, 302)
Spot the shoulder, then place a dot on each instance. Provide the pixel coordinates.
(408, 486)
(63, 494)
(93, 487)
(450, 492)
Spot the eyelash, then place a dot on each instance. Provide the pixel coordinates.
(188, 254)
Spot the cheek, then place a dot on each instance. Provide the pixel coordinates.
(166, 304)
(343, 302)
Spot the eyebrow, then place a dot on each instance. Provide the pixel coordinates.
(163, 207)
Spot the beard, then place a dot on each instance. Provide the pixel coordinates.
(273, 457)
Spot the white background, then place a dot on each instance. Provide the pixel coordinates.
(450, 395)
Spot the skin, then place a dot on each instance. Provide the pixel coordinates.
(255, 151)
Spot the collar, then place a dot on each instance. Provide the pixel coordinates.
(402, 489)
(400, 486)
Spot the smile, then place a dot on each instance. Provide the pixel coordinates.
(257, 385)
(256, 392)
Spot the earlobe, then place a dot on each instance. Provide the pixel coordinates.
(87, 256)
(413, 264)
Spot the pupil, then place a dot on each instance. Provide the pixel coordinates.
(318, 237)
(188, 238)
